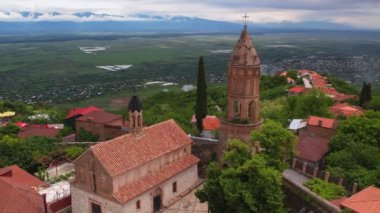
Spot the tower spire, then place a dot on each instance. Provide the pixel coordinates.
(245, 17)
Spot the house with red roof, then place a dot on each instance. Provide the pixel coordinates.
(16, 175)
(210, 124)
(345, 110)
(104, 124)
(321, 127)
(75, 113)
(312, 149)
(297, 90)
(365, 201)
(37, 131)
(15, 197)
(142, 171)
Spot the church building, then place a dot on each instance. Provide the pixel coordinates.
(243, 91)
(142, 171)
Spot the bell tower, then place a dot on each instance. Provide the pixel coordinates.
(135, 114)
(243, 91)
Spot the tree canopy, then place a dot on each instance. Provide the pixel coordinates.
(355, 150)
(279, 143)
(246, 183)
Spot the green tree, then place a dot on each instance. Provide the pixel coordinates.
(9, 129)
(86, 136)
(315, 103)
(279, 144)
(201, 102)
(74, 151)
(245, 184)
(366, 94)
(374, 103)
(355, 150)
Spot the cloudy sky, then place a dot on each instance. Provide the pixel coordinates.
(357, 13)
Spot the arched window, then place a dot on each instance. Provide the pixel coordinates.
(251, 109)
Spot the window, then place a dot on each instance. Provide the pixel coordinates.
(96, 208)
(175, 186)
(138, 205)
(251, 110)
(236, 108)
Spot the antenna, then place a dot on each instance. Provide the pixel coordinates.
(245, 17)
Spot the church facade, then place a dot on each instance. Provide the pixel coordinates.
(142, 171)
(243, 91)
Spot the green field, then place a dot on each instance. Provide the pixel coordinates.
(53, 71)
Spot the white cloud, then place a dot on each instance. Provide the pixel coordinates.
(359, 13)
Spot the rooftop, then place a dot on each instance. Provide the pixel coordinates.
(16, 175)
(99, 117)
(131, 150)
(312, 148)
(18, 198)
(210, 122)
(322, 122)
(32, 131)
(365, 201)
(82, 111)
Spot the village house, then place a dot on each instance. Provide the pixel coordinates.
(319, 126)
(104, 124)
(210, 124)
(365, 201)
(142, 171)
(345, 110)
(75, 113)
(37, 131)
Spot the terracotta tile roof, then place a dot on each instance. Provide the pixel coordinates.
(345, 109)
(338, 201)
(15, 198)
(15, 174)
(82, 111)
(99, 117)
(365, 201)
(131, 150)
(134, 189)
(31, 131)
(210, 122)
(296, 90)
(323, 122)
(244, 53)
(312, 148)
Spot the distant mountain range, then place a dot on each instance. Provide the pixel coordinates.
(95, 22)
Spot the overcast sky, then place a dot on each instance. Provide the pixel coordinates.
(358, 13)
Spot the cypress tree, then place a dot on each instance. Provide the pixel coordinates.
(369, 92)
(201, 102)
(363, 94)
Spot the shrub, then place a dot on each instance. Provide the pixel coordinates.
(328, 191)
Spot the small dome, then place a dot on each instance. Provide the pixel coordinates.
(134, 104)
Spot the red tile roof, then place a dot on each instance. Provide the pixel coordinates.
(338, 201)
(312, 148)
(17, 198)
(15, 174)
(365, 201)
(37, 131)
(345, 109)
(323, 122)
(210, 122)
(82, 111)
(131, 150)
(296, 90)
(134, 189)
(21, 124)
(99, 117)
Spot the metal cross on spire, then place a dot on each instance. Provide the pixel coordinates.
(245, 17)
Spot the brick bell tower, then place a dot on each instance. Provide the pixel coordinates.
(243, 84)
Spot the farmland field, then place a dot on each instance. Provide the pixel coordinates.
(53, 69)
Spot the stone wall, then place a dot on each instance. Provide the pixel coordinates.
(81, 200)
